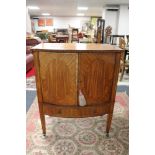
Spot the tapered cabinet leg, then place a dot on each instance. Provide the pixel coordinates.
(109, 119)
(42, 118)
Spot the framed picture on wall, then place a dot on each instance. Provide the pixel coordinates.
(49, 22)
(41, 22)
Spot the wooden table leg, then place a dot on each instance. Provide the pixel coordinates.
(42, 118)
(109, 119)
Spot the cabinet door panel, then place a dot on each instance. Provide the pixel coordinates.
(59, 78)
(96, 73)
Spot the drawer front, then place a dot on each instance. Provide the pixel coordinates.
(96, 74)
(75, 111)
(58, 74)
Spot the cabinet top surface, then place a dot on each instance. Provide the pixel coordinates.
(75, 47)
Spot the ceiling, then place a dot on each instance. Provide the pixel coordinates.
(69, 7)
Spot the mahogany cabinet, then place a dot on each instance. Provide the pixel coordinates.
(65, 69)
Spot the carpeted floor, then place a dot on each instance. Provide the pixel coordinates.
(123, 88)
(80, 136)
(30, 96)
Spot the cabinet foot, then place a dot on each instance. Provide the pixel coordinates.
(107, 134)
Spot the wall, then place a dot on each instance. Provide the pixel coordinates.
(28, 22)
(111, 18)
(63, 22)
(123, 23)
(119, 20)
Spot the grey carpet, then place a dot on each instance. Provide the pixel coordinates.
(123, 88)
(30, 96)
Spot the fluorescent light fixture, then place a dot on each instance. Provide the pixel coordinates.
(80, 14)
(82, 8)
(45, 14)
(33, 7)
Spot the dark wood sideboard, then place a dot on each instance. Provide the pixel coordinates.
(64, 69)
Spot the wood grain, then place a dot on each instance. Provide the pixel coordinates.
(58, 77)
(76, 111)
(96, 76)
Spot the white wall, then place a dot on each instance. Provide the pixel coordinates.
(123, 23)
(119, 20)
(28, 22)
(63, 22)
(111, 18)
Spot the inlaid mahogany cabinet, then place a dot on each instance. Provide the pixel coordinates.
(65, 70)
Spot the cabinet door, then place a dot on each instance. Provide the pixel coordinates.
(96, 71)
(58, 78)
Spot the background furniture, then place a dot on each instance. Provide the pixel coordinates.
(75, 35)
(62, 31)
(29, 59)
(124, 63)
(43, 35)
(127, 37)
(64, 70)
(100, 30)
(52, 37)
(30, 42)
(114, 39)
(108, 31)
(62, 38)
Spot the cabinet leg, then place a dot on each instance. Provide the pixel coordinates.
(42, 117)
(109, 119)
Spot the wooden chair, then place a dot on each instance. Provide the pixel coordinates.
(51, 38)
(113, 39)
(124, 64)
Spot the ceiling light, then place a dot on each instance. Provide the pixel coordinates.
(82, 8)
(45, 14)
(33, 7)
(80, 14)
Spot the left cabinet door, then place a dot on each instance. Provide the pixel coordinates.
(58, 74)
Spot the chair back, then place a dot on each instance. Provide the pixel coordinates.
(122, 43)
(122, 46)
(114, 39)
